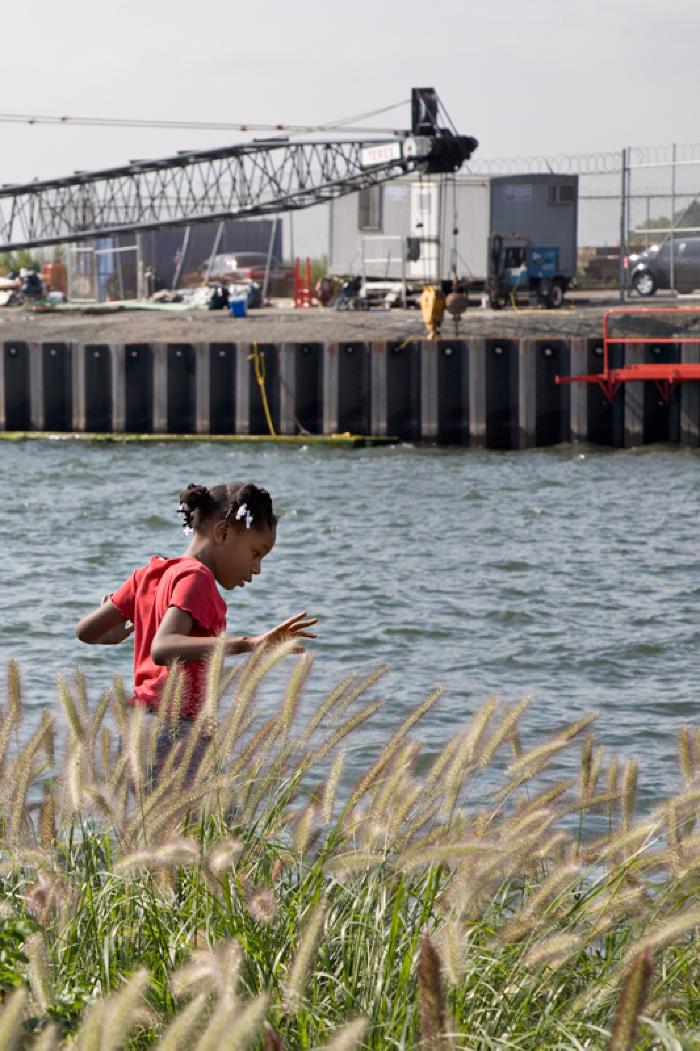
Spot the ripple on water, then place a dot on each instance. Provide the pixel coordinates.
(511, 566)
(157, 522)
(516, 573)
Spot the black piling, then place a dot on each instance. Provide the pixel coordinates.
(222, 388)
(138, 388)
(97, 388)
(501, 393)
(17, 413)
(57, 386)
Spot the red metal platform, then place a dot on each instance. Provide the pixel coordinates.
(666, 376)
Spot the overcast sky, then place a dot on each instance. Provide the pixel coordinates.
(538, 77)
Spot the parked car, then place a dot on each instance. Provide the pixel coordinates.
(651, 269)
(237, 268)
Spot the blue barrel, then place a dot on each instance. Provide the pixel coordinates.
(238, 307)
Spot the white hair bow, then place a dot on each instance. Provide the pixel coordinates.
(243, 512)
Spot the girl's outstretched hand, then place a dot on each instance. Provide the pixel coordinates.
(295, 627)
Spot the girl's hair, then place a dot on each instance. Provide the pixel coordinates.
(242, 502)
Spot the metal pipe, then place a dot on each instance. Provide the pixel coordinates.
(181, 259)
(215, 246)
(273, 231)
(673, 216)
(623, 225)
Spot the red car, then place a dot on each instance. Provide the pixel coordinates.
(238, 268)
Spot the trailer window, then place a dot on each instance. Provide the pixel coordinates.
(561, 193)
(369, 208)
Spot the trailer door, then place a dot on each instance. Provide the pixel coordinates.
(425, 226)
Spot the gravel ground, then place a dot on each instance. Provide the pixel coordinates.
(277, 324)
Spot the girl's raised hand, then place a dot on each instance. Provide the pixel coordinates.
(295, 627)
(105, 626)
(121, 631)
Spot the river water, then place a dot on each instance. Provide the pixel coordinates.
(571, 575)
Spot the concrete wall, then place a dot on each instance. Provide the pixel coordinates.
(490, 393)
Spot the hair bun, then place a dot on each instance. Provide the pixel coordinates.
(195, 496)
(192, 498)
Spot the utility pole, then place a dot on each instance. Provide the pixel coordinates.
(623, 226)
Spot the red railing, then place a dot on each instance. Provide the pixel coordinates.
(666, 376)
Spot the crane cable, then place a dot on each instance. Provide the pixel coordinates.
(198, 125)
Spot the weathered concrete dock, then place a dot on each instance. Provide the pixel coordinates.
(478, 391)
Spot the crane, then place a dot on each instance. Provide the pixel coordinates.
(244, 180)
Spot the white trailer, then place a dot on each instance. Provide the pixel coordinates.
(416, 231)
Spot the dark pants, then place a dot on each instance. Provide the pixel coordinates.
(176, 738)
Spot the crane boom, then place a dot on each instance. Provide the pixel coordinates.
(244, 180)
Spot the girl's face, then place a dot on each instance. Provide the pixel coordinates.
(239, 552)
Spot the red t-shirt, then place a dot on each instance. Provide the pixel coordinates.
(144, 599)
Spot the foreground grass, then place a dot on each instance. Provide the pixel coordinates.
(247, 907)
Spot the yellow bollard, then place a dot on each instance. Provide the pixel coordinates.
(432, 305)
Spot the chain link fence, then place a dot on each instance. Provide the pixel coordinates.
(638, 217)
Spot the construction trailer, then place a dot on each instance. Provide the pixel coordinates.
(402, 235)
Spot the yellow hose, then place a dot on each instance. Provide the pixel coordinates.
(258, 360)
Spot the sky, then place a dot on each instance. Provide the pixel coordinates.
(543, 77)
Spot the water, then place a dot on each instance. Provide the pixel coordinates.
(569, 575)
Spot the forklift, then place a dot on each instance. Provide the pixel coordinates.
(517, 268)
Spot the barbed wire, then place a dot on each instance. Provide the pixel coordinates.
(604, 163)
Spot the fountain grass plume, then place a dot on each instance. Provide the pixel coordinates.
(301, 964)
(21, 775)
(123, 1011)
(39, 976)
(349, 1037)
(392, 746)
(685, 754)
(47, 1039)
(503, 732)
(629, 792)
(263, 900)
(553, 950)
(180, 1033)
(431, 997)
(331, 787)
(464, 745)
(531, 762)
(11, 1016)
(631, 1003)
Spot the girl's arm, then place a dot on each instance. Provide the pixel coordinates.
(172, 641)
(105, 626)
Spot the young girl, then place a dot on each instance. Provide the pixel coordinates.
(173, 606)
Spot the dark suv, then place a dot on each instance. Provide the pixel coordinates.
(651, 269)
